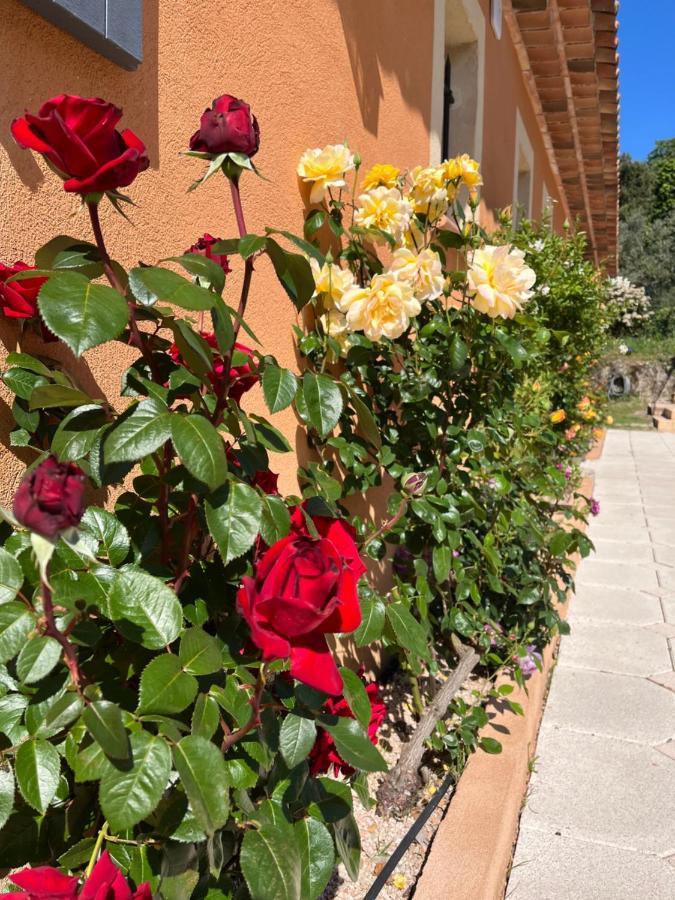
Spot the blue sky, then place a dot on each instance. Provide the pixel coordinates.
(647, 74)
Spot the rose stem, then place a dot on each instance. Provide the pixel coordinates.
(68, 650)
(115, 282)
(254, 721)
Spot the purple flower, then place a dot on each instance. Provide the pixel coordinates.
(528, 663)
(456, 554)
(568, 473)
(595, 507)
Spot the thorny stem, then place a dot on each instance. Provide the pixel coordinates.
(51, 629)
(188, 537)
(111, 275)
(389, 523)
(254, 721)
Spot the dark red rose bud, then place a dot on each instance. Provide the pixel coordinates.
(18, 299)
(204, 248)
(78, 137)
(51, 498)
(228, 127)
(414, 484)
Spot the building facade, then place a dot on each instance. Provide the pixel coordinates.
(528, 87)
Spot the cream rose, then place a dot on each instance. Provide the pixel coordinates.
(383, 309)
(385, 209)
(330, 281)
(424, 271)
(499, 281)
(428, 194)
(324, 168)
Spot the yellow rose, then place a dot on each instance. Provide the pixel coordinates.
(383, 309)
(583, 404)
(385, 209)
(609, 420)
(558, 416)
(334, 324)
(427, 194)
(324, 168)
(598, 433)
(424, 271)
(465, 168)
(499, 281)
(330, 281)
(536, 386)
(381, 175)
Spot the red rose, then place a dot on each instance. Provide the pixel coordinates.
(324, 753)
(18, 299)
(243, 380)
(106, 882)
(304, 588)
(51, 498)
(266, 480)
(228, 127)
(203, 248)
(78, 137)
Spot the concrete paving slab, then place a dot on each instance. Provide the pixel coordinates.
(623, 532)
(666, 577)
(552, 867)
(664, 679)
(668, 749)
(662, 536)
(611, 647)
(621, 575)
(668, 607)
(619, 551)
(613, 605)
(665, 629)
(632, 709)
(602, 789)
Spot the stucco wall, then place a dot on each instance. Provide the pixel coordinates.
(313, 72)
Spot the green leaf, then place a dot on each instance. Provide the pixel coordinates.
(165, 687)
(409, 633)
(37, 659)
(22, 382)
(199, 652)
(205, 717)
(296, 739)
(458, 352)
(250, 244)
(317, 856)
(270, 861)
(150, 284)
(109, 532)
(49, 396)
(103, 720)
(139, 432)
(348, 845)
(200, 448)
(38, 767)
(144, 609)
(490, 745)
(373, 612)
(81, 313)
(275, 522)
(194, 350)
(60, 246)
(222, 326)
(16, 623)
(11, 576)
(323, 399)
(66, 709)
(328, 800)
(441, 557)
(77, 433)
(233, 516)
(80, 257)
(7, 789)
(353, 744)
(203, 773)
(26, 361)
(301, 244)
(366, 420)
(201, 267)
(279, 387)
(355, 694)
(128, 796)
(294, 273)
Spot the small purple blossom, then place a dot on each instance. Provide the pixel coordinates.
(528, 663)
(595, 507)
(456, 554)
(488, 629)
(568, 473)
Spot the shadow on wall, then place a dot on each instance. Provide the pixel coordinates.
(47, 61)
(373, 48)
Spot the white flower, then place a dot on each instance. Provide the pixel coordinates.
(385, 209)
(623, 348)
(330, 281)
(383, 309)
(545, 291)
(423, 271)
(538, 245)
(324, 168)
(499, 280)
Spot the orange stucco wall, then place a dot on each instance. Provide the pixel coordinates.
(313, 72)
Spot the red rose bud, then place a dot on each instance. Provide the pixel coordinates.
(203, 248)
(18, 299)
(78, 137)
(304, 588)
(228, 127)
(324, 753)
(51, 498)
(243, 379)
(266, 480)
(415, 483)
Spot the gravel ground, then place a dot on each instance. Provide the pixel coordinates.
(381, 836)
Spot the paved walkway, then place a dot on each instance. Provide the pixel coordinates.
(599, 820)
